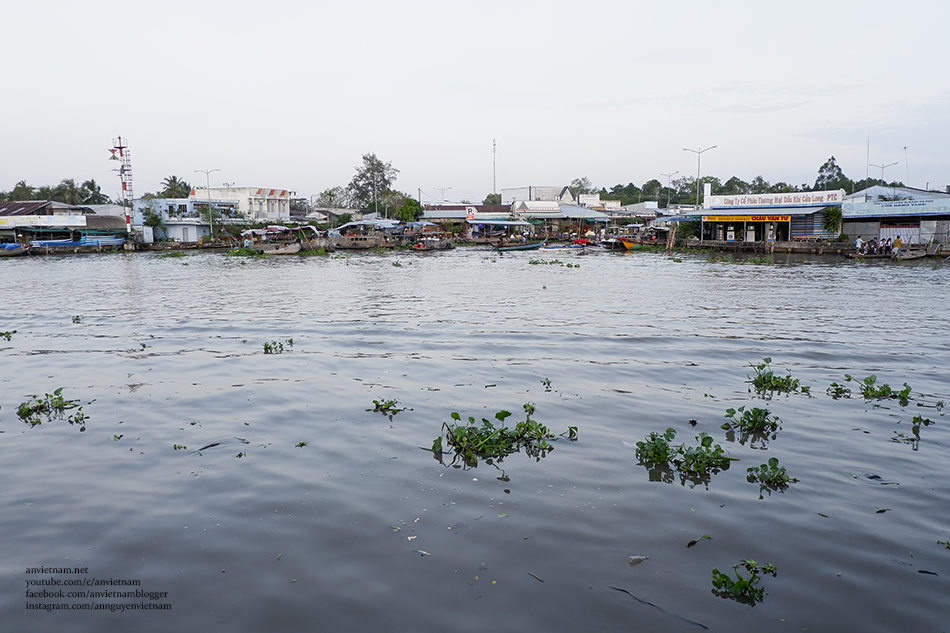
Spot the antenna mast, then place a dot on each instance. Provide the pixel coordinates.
(120, 152)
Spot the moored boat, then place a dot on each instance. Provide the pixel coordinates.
(12, 250)
(529, 246)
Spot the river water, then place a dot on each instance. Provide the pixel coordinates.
(310, 511)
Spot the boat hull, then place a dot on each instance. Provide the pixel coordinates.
(519, 247)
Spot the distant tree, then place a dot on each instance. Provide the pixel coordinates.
(492, 198)
(581, 185)
(92, 194)
(22, 191)
(626, 194)
(153, 220)
(734, 186)
(342, 219)
(759, 185)
(783, 187)
(651, 189)
(409, 211)
(43, 193)
(390, 200)
(300, 205)
(174, 187)
(67, 191)
(831, 177)
(333, 198)
(372, 179)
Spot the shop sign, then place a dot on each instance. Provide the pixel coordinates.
(747, 218)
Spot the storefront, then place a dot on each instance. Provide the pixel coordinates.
(747, 228)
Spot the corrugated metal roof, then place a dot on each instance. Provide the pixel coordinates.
(32, 207)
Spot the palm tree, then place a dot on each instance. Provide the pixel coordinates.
(92, 194)
(68, 191)
(175, 187)
(22, 191)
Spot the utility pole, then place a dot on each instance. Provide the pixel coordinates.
(494, 184)
(699, 155)
(669, 184)
(207, 173)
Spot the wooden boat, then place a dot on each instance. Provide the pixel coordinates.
(530, 246)
(576, 248)
(910, 254)
(12, 250)
(867, 255)
(432, 243)
(276, 248)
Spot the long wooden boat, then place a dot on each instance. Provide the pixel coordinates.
(910, 254)
(530, 246)
(276, 248)
(432, 243)
(575, 248)
(12, 250)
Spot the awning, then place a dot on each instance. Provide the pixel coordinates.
(500, 222)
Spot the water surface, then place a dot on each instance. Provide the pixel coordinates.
(361, 529)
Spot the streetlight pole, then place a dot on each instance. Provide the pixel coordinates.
(699, 154)
(442, 191)
(882, 167)
(207, 173)
(669, 184)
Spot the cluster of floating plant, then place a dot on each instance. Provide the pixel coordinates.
(276, 347)
(8, 335)
(766, 381)
(389, 408)
(471, 442)
(694, 463)
(552, 262)
(52, 406)
(743, 589)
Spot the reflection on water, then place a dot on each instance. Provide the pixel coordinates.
(264, 491)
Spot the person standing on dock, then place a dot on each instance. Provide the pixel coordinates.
(896, 246)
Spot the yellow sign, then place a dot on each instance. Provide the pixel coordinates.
(747, 218)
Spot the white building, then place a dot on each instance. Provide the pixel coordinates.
(253, 203)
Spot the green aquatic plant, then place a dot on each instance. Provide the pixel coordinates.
(547, 383)
(387, 407)
(694, 463)
(274, 347)
(77, 318)
(745, 590)
(8, 335)
(311, 252)
(913, 438)
(656, 449)
(755, 420)
(172, 254)
(946, 544)
(765, 380)
(838, 391)
(397, 264)
(871, 390)
(300, 444)
(491, 443)
(52, 406)
(179, 447)
(771, 475)
(705, 459)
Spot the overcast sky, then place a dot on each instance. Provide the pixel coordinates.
(290, 94)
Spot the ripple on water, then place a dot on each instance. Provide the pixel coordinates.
(360, 528)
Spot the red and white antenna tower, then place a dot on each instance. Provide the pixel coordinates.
(120, 152)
